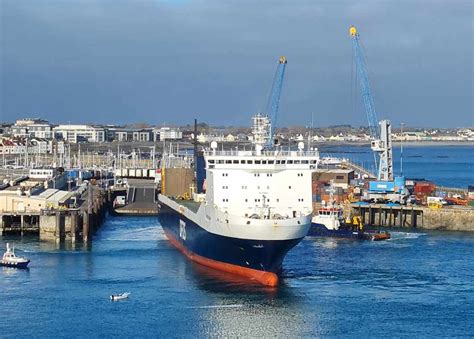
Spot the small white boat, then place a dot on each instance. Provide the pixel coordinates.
(11, 260)
(120, 296)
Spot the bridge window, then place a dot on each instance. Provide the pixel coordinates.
(270, 162)
(257, 162)
(264, 162)
(290, 161)
(249, 161)
(304, 161)
(210, 161)
(242, 161)
(236, 161)
(312, 162)
(283, 162)
(228, 161)
(297, 161)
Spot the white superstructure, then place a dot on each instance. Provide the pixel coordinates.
(261, 195)
(261, 184)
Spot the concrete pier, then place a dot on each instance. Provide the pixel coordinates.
(452, 218)
(60, 224)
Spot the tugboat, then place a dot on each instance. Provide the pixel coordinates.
(11, 260)
(329, 222)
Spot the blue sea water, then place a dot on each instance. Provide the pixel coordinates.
(416, 284)
(448, 165)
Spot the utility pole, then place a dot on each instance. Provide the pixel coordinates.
(195, 154)
(401, 148)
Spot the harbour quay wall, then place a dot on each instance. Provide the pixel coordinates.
(56, 223)
(60, 225)
(451, 218)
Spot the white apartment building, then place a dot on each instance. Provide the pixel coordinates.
(35, 128)
(77, 133)
(167, 133)
(40, 146)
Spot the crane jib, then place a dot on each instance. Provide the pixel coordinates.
(380, 132)
(274, 98)
(365, 87)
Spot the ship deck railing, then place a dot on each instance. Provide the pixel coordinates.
(190, 204)
(263, 153)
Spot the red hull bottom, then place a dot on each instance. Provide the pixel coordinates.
(265, 278)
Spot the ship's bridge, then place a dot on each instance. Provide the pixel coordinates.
(261, 183)
(261, 159)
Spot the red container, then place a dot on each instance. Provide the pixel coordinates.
(424, 187)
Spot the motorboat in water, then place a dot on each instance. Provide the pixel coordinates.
(120, 296)
(329, 222)
(10, 259)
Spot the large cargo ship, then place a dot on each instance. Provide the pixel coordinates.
(256, 207)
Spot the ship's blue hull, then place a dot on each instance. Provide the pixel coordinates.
(241, 256)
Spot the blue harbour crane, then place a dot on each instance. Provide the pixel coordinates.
(380, 132)
(274, 98)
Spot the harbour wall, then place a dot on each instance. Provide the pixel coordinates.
(452, 218)
(60, 224)
(449, 219)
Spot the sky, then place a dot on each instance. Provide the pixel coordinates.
(168, 62)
